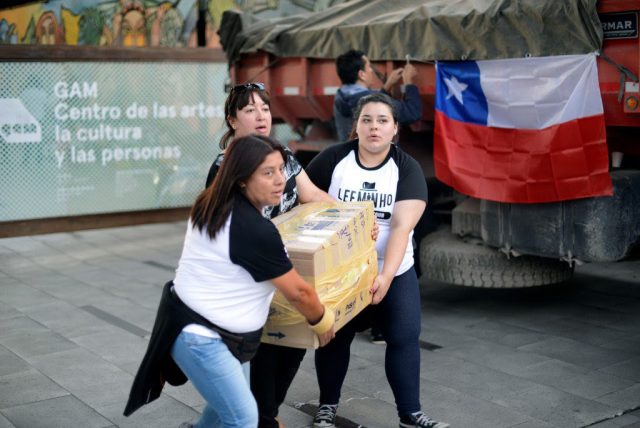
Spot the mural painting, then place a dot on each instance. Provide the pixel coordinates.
(131, 23)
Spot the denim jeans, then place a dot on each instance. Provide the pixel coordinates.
(398, 316)
(218, 376)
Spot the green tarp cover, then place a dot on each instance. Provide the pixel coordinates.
(426, 30)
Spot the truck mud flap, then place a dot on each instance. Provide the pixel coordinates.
(603, 229)
(448, 258)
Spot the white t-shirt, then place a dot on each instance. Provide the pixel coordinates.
(338, 171)
(226, 279)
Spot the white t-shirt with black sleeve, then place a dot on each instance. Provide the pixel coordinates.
(226, 279)
(338, 171)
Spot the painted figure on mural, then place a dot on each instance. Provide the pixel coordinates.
(48, 31)
(129, 26)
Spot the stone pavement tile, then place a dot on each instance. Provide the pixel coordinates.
(74, 292)
(629, 344)
(45, 278)
(504, 334)
(607, 299)
(368, 412)
(10, 363)
(629, 369)
(456, 321)
(95, 276)
(66, 319)
(128, 311)
(115, 346)
(575, 352)
(22, 296)
(19, 325)
(625, 399)
(369, 380)
(101, 236)
(86, 254)
(165, 412)
(594, 384)
(4, 422)
(62, 412)
(619, 421)
(534, 424)
(444, 338)
(144, 295)
(498, 357)
(87, 376)
(294, 418)
(27, 387)
(362, 347)
(470, 378)
(22, 244)
(551, 372)
(557, 407)
(17, 264)
(5, 251)
(7, 312)
(623, 321)
(129, 250)
(304, 388)
(35, 343)
(462, 410)
(186, 394)
(59, 262)
(583, 331)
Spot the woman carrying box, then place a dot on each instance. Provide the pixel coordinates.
(232, 261)
(371, 167)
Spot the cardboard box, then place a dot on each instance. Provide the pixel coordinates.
(330, 245)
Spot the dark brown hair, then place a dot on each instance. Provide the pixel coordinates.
(239, 97)
(376, 97)
(244, 155)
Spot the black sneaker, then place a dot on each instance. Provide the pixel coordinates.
(325, 416)
(420, 420)
(376, 336)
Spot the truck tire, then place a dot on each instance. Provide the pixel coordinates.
(447, 258)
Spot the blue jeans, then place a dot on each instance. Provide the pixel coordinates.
(398, 316)
(218, 376)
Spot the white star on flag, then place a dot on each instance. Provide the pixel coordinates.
(455, 88)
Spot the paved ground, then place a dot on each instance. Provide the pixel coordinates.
(76, 310)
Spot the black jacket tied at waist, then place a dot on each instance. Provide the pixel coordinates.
(158, 366)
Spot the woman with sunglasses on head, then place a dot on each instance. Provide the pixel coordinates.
(211, 315)
(247, 111)
(371, 167)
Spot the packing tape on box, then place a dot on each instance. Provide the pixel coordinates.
(331, 288)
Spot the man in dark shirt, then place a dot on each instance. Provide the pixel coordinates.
(357, 77)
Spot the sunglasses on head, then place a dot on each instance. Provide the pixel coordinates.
(252, 85)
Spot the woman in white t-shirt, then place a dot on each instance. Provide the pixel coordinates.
(232, 261)
(371, 167)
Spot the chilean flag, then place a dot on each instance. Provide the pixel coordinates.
(523, 130)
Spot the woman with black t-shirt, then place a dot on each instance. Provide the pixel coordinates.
(247, 111)
(232, 261)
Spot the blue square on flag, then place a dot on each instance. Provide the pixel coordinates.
(459, 94)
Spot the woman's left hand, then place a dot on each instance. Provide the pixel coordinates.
(379, 289)
(375, 230)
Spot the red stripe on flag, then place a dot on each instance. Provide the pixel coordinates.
(558, 163)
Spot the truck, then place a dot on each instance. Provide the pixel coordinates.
(464, 240)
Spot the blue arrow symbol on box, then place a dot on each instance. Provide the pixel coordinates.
(277, 335)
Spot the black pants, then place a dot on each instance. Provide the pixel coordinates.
(272, 371)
